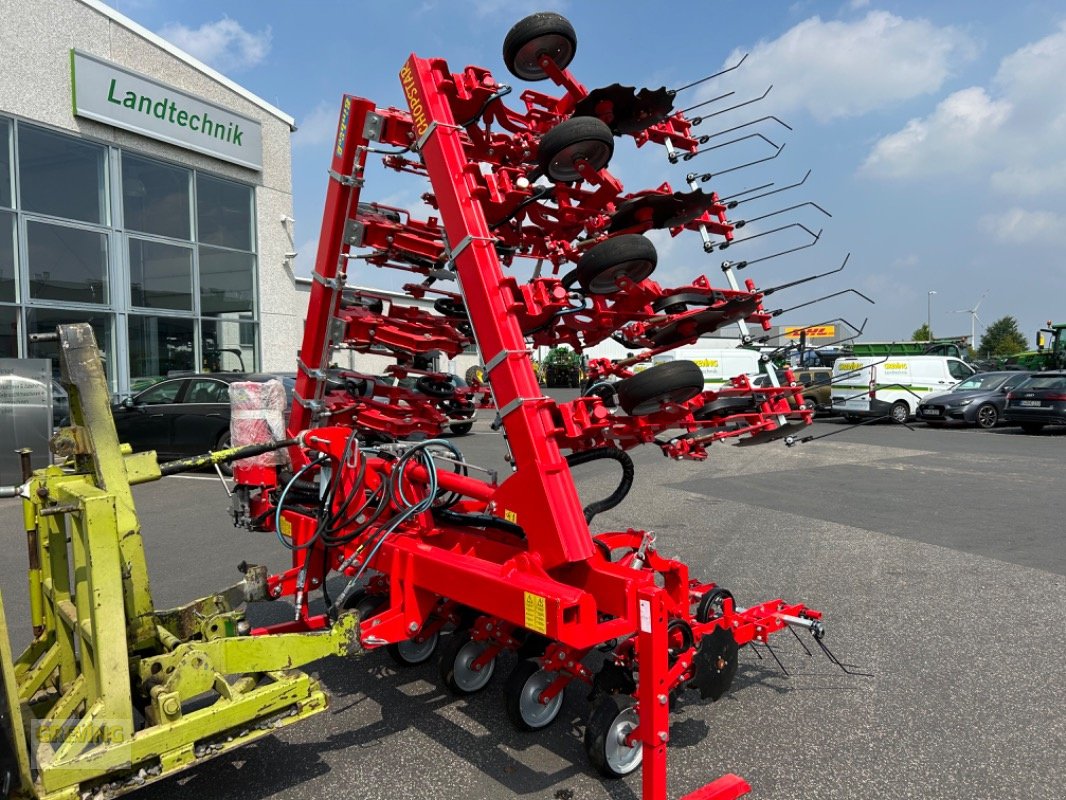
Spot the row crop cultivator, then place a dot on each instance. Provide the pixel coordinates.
(434, 555)
(440, 560)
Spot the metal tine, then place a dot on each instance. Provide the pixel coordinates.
(781, 311)
(708, 136)
(767, 194)
(789, 285)
(707, 102)
(698, 120)
(715, 75)
(784, 350)
(742, 222)
(739, 265)
(844, 667)
(755, 650)
(799, 639)
(708, 175)
(726, 144)
(778, 660)
(735, 242)
(728, 200)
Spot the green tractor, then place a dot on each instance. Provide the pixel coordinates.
(1050, 351)
(562, 368)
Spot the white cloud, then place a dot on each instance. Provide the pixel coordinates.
(841, 69)
(1020, 226)
(318, 127)
(857, 4)
(1011, 130)
(224, 44)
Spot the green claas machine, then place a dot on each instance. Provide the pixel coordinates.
(93, 708)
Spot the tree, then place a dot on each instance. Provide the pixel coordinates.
(923, 334)
(1003, 338)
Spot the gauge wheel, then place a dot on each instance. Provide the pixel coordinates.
(535, 36)
(612, 718)
(224, 443)
(900, 411)
(521, 697)
(457, 672)
(414, 651)
(572, 140)
(630, 256)
(461, 428)
(724, 407)
(647, 391)
(987, 416)
(433, 386)
(450, 307)
(712, 604)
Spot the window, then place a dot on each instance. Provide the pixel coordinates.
(226, 282)
(160, 394)
(207, 391)
(160, 346)
(959, 370)
(62, 176)
(160, 275)
(8, 258)
(5, 164)
(155, 198)
(228, 346)
(45, 320)
(9, 332)
(66, 263)
(223, 213)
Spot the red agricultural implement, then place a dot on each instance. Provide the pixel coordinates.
(441, 559)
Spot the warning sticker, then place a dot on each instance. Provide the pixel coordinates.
(536, 613)
(286, 527)
(645, 616)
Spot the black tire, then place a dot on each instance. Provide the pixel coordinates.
(987, 416)
(723, 407)
(431, 386)
(454, 653)
(576, 138)
(611, 715)
(526, 681)
(712, 604)
(900, 411)
(536, 35)
(630, 255)
(461, 428)
(645, 392)
(450, 307)
(224, 443)
(412, 653)
(1032, 427)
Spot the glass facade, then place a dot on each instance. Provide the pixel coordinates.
(160, 258)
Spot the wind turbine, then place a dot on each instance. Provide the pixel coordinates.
(974, 319)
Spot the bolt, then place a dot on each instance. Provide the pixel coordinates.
(662, 699)
(277, 591)
(662, 736)
(171, 706)
(314, 581)
(412, 627)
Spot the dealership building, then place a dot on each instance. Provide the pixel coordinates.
(143, 192)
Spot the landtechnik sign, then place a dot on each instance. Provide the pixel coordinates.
(115, 96)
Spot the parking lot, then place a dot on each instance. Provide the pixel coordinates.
(938, 557)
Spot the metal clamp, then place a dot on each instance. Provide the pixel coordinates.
(465, 243)
(429, 131)
(498, 359)
(515, 404)
(346, 180)
(330, 283)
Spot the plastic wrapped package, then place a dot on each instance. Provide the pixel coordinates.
(257, 415)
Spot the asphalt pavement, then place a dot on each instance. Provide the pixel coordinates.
(937, 556)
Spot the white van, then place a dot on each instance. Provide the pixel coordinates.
(878, 386)
(719, 365)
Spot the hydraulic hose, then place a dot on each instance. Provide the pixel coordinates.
(624, 485)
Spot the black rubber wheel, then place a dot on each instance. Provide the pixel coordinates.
(450, 307)
(524, 685)
(712, 604)
(629, 256)
(433, 386)
(900, 411)
(456, 655)
(535, 36)
(612, 717)
(574, 139)
(224, 443)
(413, 652)
(987, 416)
(670, 382)
(724, 407)
(461, 428)
(1032, 427)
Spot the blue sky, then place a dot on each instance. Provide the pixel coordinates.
(934, 131)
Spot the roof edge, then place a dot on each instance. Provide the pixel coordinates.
(159, 41)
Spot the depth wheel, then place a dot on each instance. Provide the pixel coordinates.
(521, 697)
(987, 416)
(535, 36)
(414, 652)
(457, 656)
(431, 386)
(572, 140)
(612, 718)
(670, 382)
(712, 604)
(630, 256)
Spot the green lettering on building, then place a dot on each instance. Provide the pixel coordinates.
(166, 110)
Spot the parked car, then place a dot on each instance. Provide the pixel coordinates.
(975, 401)
(816, 383)
(185, 415)
(1037, 402)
